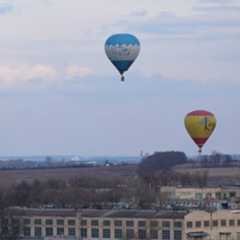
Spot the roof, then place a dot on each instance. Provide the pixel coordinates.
(102, 213)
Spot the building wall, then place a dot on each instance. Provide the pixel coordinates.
(222, 224)
(196, 193)
(162, 225)
(142, 228)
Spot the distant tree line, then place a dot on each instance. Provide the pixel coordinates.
(49, 162)
(160, 161)
(217, 159)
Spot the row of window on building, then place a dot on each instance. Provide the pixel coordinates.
(214, 223)
(116, 223)
(106, 233)
(141, 229)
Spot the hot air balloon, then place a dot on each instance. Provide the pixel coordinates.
(200, 124)
(122, 50)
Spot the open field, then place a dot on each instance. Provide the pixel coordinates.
(230, 175)
(68, 173)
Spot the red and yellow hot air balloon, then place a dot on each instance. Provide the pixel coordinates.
(200, 124)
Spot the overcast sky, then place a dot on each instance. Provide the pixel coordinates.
(59, 93)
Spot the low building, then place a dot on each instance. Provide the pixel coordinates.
(200, 193)
(51, 224)
(223, 224)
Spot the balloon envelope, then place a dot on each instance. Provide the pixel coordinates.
(200, 124)
(122, 50)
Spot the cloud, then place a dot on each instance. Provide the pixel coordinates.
(5, 8)
(74, 71)
(42, 76)
(15, 77)
(205, 26)
(44, 71)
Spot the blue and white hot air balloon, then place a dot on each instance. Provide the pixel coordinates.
(122, 50)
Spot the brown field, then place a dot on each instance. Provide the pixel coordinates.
(67, 173)
(229, 175)
(220, 175)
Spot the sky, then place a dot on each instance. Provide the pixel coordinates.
(60, 95)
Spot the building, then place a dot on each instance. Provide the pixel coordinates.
(51, 224)
(200, 193)
(189, 198)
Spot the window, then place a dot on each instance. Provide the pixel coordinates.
(26, 221)
(197, 224)
(15, 230)
(118, 233)
(49, 231)
(106, 223)
(106, 233)
(94, 222)
(130, 234)
(38, 232)
(238, 222)
(71, 232)
(177, 224)
(129, 223)
(49, 222)
(165, 235)
(60, 231)
(166, 224)
(60, 222)
(177, 235)
(238, 236)
(37, 221)
(198, 196)
(117, 223)
(153, 223)
(232, 194)
(189, 224)
(141, 223)
(215, 223)
(27, 231)
(71, 222)
(95, 233)
(208, 195)
(5, 230)
(83, 222)
(84, 232)
(231, 223)
(218, 195)
(5, 221)
(153, 234)
(223, 223)
(206, 223)
(141, 234)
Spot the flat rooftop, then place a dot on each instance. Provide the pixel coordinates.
(91, 213)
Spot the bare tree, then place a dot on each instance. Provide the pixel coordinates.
(201, 178)
(6, 183)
